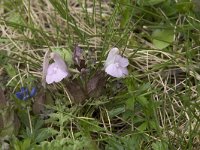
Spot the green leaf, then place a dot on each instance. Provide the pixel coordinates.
(65, 54)
(10, 70)
(184, 6)
(162, 38)
(45, 133)
(114, 144)
(9, 123)
(130, 103)
(196, 8)
(144, 87)
(90, 125)
(143, 101)
(126, 12)
(116, 111)
(150, 2)
(153, 124)
(159, 145)
(26, 144)
(15, 18)
(143, 126)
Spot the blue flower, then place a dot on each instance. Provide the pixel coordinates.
(33, 92)
(24, 94)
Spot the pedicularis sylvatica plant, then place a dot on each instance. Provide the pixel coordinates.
(90, 83)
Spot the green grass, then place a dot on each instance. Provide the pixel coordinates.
(156, 106)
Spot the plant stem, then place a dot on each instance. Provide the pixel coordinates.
(29, 118)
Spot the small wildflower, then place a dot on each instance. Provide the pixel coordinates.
(115, 64)
(24, 93)
(57, 70)
(33, 92)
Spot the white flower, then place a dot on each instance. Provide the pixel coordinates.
(115, 64)
(57, 70)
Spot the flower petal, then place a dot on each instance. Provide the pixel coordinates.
(123, 62)
(55, 73)
(51, 73)
(124, 71)
(19, 95)
(114, 71)
(111, 56)
(26, 97)
(60, 75)
(59, 61)
(33, 92)
(51, 69)
(24, 90)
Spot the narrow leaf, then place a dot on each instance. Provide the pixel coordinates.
(76, 92)
(38, 105)
(96, 84)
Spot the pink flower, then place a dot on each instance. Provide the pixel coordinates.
(115, 64)
(57, 70)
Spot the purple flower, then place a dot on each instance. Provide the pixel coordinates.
(33, 92)
(57, 70)
(115, 64)
(24, 93)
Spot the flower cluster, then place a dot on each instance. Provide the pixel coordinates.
(24, 93)
(115, 65)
